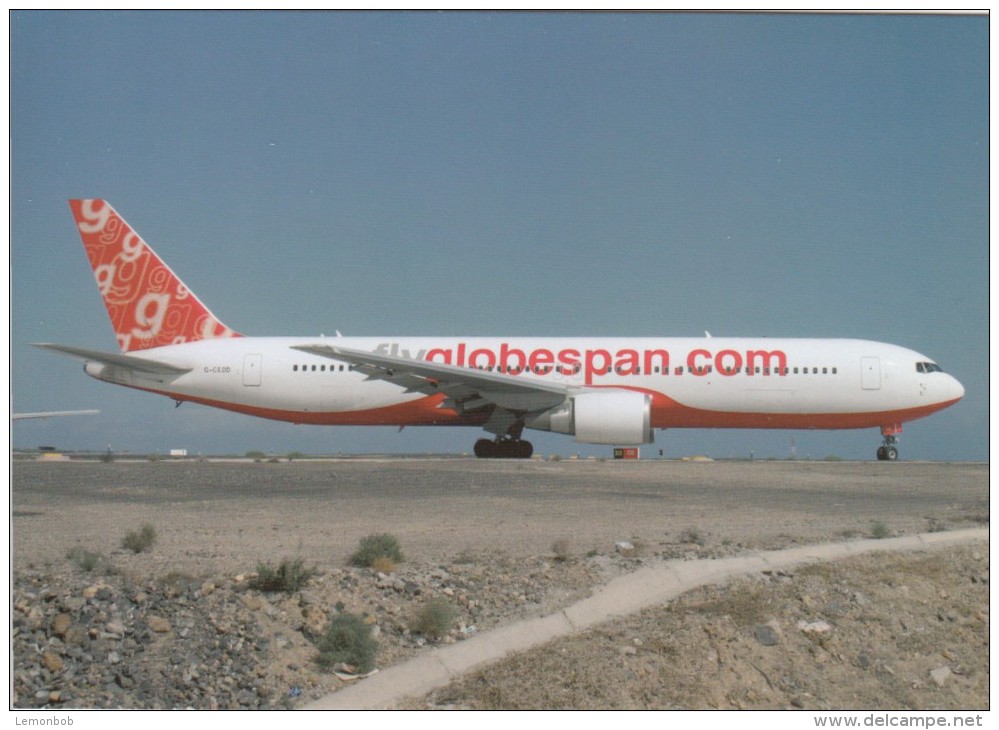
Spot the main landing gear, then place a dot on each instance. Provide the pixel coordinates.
(507, 444)
(503, 448)
(888, 451)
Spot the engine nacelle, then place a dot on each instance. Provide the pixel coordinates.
(616, 417)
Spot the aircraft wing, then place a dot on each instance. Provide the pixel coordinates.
(467, 389)
(131, 362)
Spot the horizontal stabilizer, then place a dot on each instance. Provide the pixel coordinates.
(132, 362)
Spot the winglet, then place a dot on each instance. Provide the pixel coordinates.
(148, 304)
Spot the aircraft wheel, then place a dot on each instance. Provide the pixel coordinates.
(891, 453)
(507, 449)
(882, 453)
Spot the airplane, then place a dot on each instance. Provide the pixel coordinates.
(614, 391)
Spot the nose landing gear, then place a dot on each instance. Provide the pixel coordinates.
(888, 451)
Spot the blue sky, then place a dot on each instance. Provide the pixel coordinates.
(505, 174)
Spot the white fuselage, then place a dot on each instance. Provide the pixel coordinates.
(712, 382)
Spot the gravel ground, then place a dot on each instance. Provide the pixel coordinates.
(182, 626)
(887, 632)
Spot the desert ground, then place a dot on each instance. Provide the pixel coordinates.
(179, 625)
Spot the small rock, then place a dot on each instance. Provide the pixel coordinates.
(252, 602)
(52, 661)
(158, 624)
(623, 546)
(814, 628)
(940, 675)
(115, 627)
(315, 620)
(61, 624)
(766, 635)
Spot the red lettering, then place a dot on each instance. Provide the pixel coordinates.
(696, 367)
(627, 362)
(541, 359)
(598, 362)
(767, 358)
(569, 360)
(445, 355)
(504, 359)
(663, 365)
(591, 368)
(728, 368)
(476, 357)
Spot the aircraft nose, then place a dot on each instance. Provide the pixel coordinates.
(956, 389)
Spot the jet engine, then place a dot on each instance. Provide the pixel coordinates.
(617, 417)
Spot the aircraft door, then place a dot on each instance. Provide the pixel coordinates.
(870, 373)
(252, 366)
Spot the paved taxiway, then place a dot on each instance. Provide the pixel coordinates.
(216, 517)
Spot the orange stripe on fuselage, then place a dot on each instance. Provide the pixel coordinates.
(421, 412)
(666, 413)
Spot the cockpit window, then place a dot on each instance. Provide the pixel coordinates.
(928, 367)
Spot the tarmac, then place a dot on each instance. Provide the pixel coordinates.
(649, 586)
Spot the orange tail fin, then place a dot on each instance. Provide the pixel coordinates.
(148, 305)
